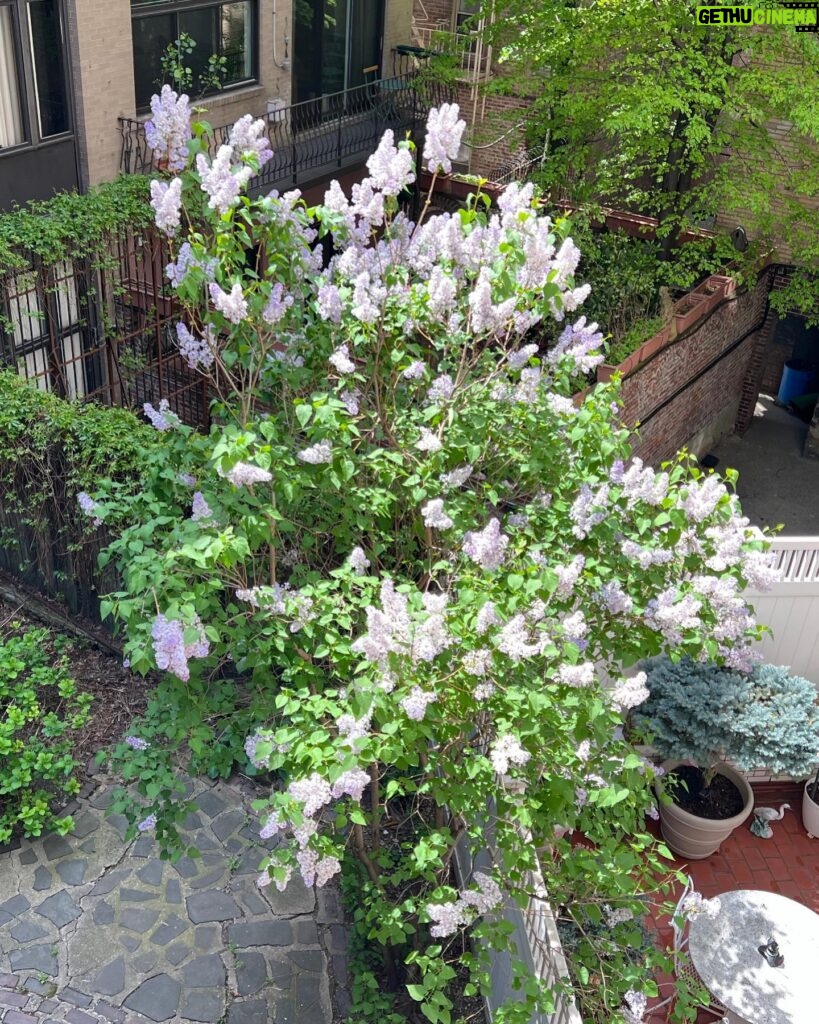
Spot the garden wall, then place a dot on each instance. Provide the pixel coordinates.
(687, 392)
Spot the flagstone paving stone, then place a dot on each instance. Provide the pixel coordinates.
(97, 931)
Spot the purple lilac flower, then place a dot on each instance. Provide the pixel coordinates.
(196, 351)
(185, 261)
(248, 136)
(232, 304)
(514, 640)
(443, 139)
(352, 783)
(147, 823)
(312, 792)
(317, 454)
(441, 389)
(200, 508)
(577, 343)
(329, 303)
(442, 292)
(391, 169)
(245, 474)
(222, 181)
(89, 507)
(277, 305)
(486, 897)
(166, 201)
(487, 617)
(612, 596)
(351, 401)
(416, 702)
(161, 418)
(488, 546)
(517, 360)
(415, 370)
(169, 130)
(576, 675)
(272, 826)
(251, 745)
(136, 743)
(171, 651)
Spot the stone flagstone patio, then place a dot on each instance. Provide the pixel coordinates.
(95, 930)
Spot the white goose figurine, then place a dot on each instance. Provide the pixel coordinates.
(763, 816)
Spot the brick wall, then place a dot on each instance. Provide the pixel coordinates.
(103, 62)
(497, 141)
(708, 399)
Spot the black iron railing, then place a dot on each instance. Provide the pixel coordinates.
(317, 137)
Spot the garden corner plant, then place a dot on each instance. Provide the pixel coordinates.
(39, 706)
(412, 551)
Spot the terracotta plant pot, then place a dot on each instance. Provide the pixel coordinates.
(810, 813)
(695, 838)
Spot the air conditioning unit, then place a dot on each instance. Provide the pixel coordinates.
(275, 110)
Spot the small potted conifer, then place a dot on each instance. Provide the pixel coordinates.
(697, 716)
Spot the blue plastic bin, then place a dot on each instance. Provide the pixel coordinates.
(797, 378)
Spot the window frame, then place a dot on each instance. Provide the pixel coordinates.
(151, 8)
(26, 76)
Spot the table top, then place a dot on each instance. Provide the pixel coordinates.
(724, 947)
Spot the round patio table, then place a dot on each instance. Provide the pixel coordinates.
(724, 948)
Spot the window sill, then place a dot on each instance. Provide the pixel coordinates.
(250, 91)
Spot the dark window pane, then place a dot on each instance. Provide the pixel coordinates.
(11, 113)
(49, 66)
(201, 27)
(151, 36)
(237, 40)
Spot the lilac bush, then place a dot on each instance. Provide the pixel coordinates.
(422, 554)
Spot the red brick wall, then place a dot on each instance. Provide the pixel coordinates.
(668, 424)
(496, 139)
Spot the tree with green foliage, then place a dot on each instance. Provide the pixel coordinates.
(638, 105)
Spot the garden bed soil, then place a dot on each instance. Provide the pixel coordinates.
(720, 800)
(119, 696)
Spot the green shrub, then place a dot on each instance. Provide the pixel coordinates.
(39, 705)
(633, 339)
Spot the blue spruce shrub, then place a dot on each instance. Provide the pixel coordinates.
(703, 713)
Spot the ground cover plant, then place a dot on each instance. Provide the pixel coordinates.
(403, 557)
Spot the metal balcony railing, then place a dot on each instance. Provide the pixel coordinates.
(319, 137)
(472, 58)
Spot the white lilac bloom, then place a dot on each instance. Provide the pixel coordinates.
(447, 918)
(695, 904)
(232, 305)
(429, 441)
(317, 454)
(442, 389)
(487, 617)
(272, 826)
(514, 640)
(358, 561)
(629, 693)
(245, 474)
(222, 181)
(507, 750)
(312, 792)
(89, 507)
(168, 131)
(589, 509)
(455, 477)
(477, 662)
(391, 168)
(483, 691)
(416, 702)
(196, 351)
(568, 575)
(351, 783)
(442, 291)
(614, 599)
(161, 418)
(166, 201)
(576, 675)
(488, 546)
(487, 897)
(248, 136)
(443, 138)
(634, 1010)
(340, 359)
(434, 515)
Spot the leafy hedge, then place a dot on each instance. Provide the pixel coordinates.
(50, 451)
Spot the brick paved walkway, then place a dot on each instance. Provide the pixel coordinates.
(92, 930)
(786, 864)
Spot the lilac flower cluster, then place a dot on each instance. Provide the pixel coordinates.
(317, 454)
(170, 649)
(221, 179)
(507, 750)
(168, 131)
(391, 169)
(635, 1005)
(358, 561)
(434, 515)
(277, 304)
(245, 474)
(166, 202)
(629, 693)
(89, 507)
(580, 342)
(443, 137)
(196, 351)
(515, 642)
(135, 743)
(416, 702)
(200, 510)
(161, 418)
(248, 136)
(442, 389)
(456, 477)
(185, 261)
(568, 575)
(147, 824)
(340, 359)
(232, 305)
(487, 547)
(590, 508)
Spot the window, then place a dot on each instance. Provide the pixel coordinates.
(225, 29)
(34, 101)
